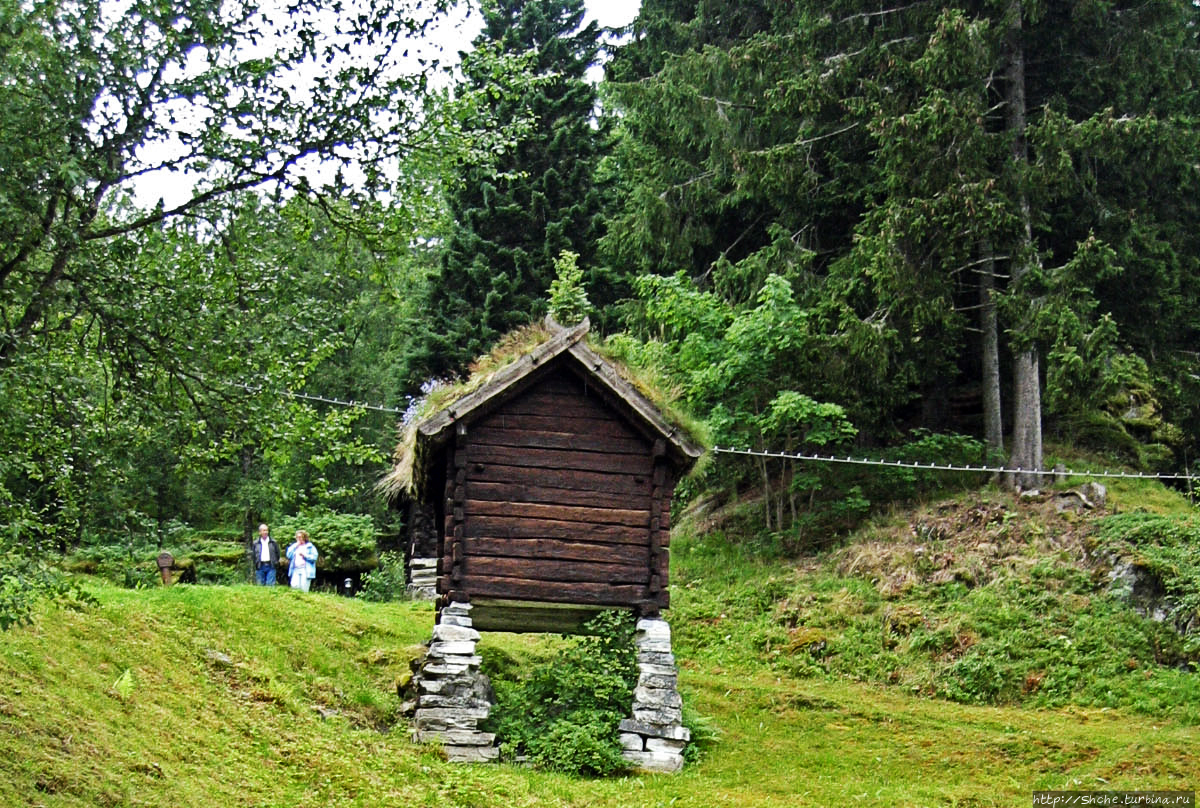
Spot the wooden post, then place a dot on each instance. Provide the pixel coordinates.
(165, 561)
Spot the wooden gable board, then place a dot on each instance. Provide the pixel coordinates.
(517, 376)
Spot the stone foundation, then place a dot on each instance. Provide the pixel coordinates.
(452, 695)
(654, 738)
(422, 578)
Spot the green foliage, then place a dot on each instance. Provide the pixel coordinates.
(149, 346)
(517, 212)
(345, 541)
(26, 578)
(1168, 545)
(568, 299)
(873, 167)
(893, 485)
(387, 582)
(1010, 612)
(564, 715)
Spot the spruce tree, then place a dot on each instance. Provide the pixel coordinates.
(514, 217)
(922, 173)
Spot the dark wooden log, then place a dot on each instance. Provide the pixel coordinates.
(564, 405)
(581, 440)
(519, 491)
(560, 572)
(626, 484)
(559, 459)
(549, 421)
(564, 550)
(501, 614)
(503, 527)
(527, 589)
(559, 513)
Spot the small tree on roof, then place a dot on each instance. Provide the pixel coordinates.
(569, 303)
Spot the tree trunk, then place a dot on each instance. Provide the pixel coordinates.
(993, 424)
(766, 482)
(1026, 455)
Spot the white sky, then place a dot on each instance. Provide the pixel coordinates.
(613, 12)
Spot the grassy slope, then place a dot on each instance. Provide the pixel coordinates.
(298, 718)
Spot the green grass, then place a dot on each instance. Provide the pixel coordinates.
(128, 703)
(963, 652)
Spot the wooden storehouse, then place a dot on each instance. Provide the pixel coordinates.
(551, 484)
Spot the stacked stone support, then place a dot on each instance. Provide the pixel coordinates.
(654, 738)
(452, 695)
(422, 578)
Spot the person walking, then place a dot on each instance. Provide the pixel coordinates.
(302, 561)
(264, 557)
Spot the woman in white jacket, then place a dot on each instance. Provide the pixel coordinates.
(302, 561)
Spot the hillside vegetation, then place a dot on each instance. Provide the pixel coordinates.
(965, 652)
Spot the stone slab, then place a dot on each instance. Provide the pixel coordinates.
(675, 732)
(665, 747)
(455, 620)
(472, 754)
(653, 647)
(451, 665)
(455, 737)
(664, 717)
(652, 627)
(654, 762)
(456, 701)
(447, 718)
(656, 698)
(441, 649)
(632, 742)
(447, 633)
(658, 681)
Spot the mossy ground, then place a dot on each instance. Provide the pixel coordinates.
(818, 682)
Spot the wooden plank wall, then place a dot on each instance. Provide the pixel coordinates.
(550, 498)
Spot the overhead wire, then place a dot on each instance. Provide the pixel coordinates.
(916, 465)
(811, 458)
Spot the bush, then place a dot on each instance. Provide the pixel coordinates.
(1169, 546)
(346, 541)
(565, 715)
(387, 582)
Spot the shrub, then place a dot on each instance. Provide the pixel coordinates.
(564, 716)
(1168, 545)
(346, 541)
(387, 582)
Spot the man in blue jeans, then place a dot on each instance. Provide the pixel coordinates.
(264, 557)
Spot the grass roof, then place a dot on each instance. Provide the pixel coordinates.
(403, 479)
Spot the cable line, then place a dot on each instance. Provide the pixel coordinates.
(866, 461)
(322, 399)
(811, 458)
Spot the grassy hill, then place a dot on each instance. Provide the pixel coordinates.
(966, 652)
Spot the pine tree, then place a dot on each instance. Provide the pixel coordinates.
(540, 198)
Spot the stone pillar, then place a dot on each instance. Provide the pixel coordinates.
(452, 695)
(422, 578)
(655, 736)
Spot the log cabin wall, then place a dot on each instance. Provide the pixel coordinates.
(553, 496)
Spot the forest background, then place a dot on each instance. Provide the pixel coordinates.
(940, 231)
